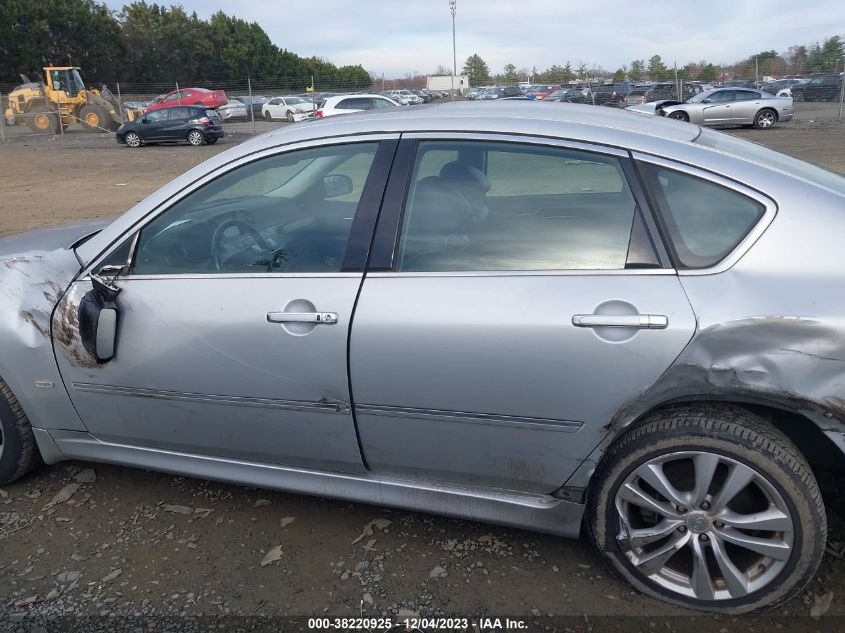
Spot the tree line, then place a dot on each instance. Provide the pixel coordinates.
(151, 43)
(827, 56)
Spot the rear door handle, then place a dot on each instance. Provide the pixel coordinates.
(639, 321)
(319, 318)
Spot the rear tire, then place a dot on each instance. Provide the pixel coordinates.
(42, 120)
(18, 451)
(727, 470)
(765, 119)
(196, 138)
(268, 116)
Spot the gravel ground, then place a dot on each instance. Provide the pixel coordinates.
(110, 548)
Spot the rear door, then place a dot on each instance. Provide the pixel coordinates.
(174, 128)
(745, 105)
(514, 303)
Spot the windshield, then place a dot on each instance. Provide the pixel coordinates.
(295, 100)
(772, 159)
(701, 96)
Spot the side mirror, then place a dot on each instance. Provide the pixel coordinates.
(705, 101)
(335, 185)
(106, 334)
(144, 120)
(98, 325)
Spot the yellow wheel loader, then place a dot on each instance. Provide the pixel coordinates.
(61, 99)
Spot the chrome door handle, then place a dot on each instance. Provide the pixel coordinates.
(639, 321)
(324, 318)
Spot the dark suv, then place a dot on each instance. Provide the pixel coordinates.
(611, 94)
(823, 88)
(194, 124)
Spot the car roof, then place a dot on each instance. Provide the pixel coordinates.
(577, 122)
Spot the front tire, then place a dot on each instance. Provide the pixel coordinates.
(680, 116)
(708, 508)
(94, 118)
(290, 116)
(132, 139)
(18, 452)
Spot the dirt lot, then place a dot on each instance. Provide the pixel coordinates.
(132, 544)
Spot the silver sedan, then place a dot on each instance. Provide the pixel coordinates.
(725, 106)
(560, 318)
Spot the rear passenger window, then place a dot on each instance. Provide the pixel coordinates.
(477, 206)
(354, 104)
(705, 221)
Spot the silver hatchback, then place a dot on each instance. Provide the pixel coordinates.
(561, 318)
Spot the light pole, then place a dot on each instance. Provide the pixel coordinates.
(453, 7)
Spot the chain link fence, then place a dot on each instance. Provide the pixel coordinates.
(33, 114)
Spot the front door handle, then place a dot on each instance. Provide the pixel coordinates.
(319, 318)
(639, 321)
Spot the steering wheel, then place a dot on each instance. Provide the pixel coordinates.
(244, 227)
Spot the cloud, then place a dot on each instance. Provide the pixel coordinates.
(400, 36)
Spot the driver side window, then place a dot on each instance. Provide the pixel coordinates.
(287, 213)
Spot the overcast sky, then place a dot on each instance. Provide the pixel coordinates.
(400, 36)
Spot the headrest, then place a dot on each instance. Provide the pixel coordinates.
(459, 171)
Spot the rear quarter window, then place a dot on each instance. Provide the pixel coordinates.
(705, 221)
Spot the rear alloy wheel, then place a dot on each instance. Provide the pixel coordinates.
(765, 119)
(679, 116)
(132, 139)
(268, 116)
(195, 137)
(709, 508)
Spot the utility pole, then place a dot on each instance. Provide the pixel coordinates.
(756, 73)
(453, 7)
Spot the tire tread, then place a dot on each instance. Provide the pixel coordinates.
(29, 456)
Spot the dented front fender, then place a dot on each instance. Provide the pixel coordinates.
(32, 282)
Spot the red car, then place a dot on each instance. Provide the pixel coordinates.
(542, 91)
(190, 96)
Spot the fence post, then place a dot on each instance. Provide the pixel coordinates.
(120, 104)
(59, 116)
(2, 118)
(841, 97)
(251, 104)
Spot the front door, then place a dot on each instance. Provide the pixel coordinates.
(718, 108)
(153, 125)
(233, 319)
(523, 307)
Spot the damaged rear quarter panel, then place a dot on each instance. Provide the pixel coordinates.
(31, 284)
(771, 329)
